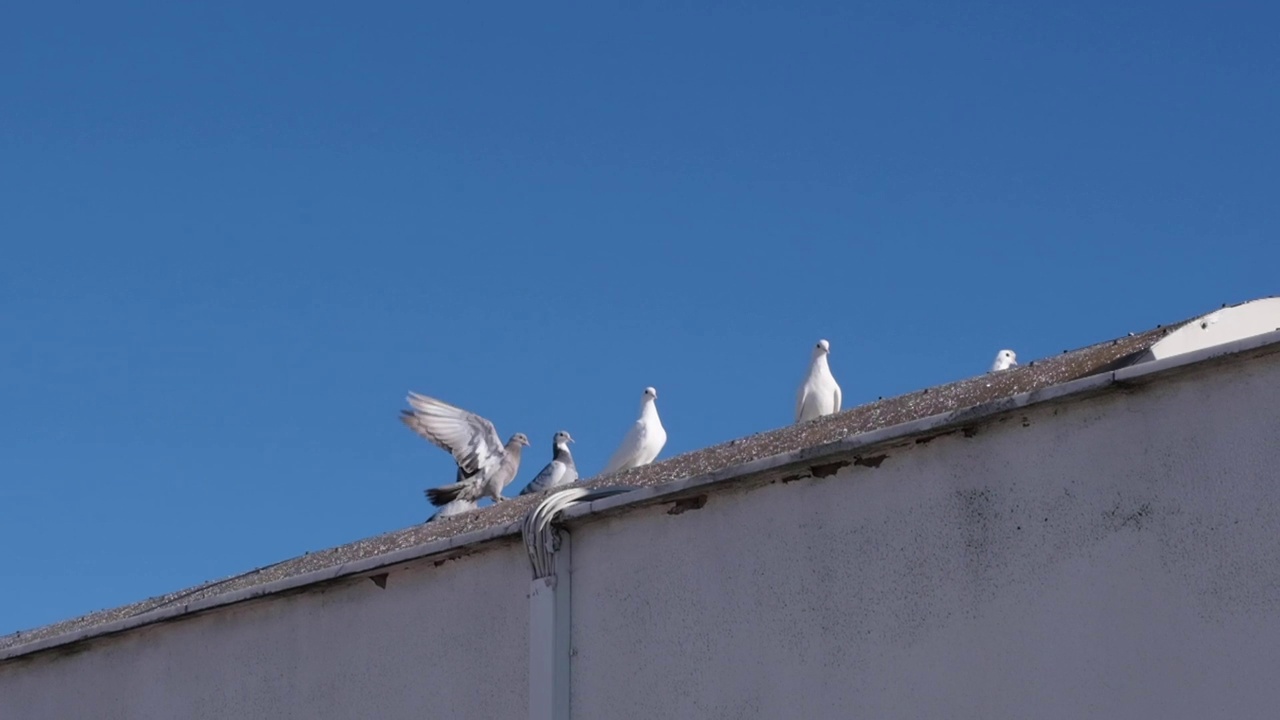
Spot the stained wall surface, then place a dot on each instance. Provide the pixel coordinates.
(447, 642)
(1113, 557)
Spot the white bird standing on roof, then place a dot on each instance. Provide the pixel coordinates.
(484, 465)
(643, 441)
(560, 471)
(819, 393)
(453, 507)
(1005, 359)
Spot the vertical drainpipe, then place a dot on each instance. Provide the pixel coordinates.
(549, 640)
(550, 611)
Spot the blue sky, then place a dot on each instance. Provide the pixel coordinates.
(233, 236)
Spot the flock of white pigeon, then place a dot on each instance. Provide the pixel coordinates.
(486, 466)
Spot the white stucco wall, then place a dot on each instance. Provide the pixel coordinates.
(444, 642)
(1116, 557)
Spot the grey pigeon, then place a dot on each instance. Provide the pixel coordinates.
(560, 471)
(485, 467)
(1005, 359)
(819, 393)
(644, 440)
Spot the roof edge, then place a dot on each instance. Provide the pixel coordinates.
(943, 422)
(949, 421)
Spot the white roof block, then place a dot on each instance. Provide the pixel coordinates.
(1219, 327)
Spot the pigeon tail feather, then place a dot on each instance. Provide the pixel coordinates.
(446, 494)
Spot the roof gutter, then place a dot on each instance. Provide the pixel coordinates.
(852, 445)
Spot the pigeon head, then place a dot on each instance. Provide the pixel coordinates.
(562, 438)
(1005, 359)
(821, 350)
(519, 439)
(650, 394)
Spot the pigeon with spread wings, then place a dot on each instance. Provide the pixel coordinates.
(485, 466)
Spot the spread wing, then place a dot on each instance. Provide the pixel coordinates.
(471, 439)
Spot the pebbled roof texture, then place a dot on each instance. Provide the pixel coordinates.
(884, 413)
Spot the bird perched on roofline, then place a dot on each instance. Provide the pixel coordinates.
(819, 392)
(485, 465)
(1005, 359)
(453, 507)
(644, 440)
(560, 471)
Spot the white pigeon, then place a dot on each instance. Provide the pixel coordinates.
(643, 441)
(1005, 359)
(453, 507)
(560, 471)
(485, 466)
(819, 393)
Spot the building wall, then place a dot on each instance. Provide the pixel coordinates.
(446, 642)
(1110, 557)
(1116, 557)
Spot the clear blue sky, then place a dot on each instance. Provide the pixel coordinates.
(233, 235)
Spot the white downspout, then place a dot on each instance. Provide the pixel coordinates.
(550, 611)
(549, 641)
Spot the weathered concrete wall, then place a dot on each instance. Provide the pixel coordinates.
(1115, 557)
(444, 642)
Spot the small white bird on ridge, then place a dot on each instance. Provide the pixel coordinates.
(453, 507)
(1005, 359)
(560, 471)
(643, 441)
(819, 393)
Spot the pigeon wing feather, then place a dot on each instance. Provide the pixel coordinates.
(627, 451)
(551, 476)
(800, 398)
(471, 439)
